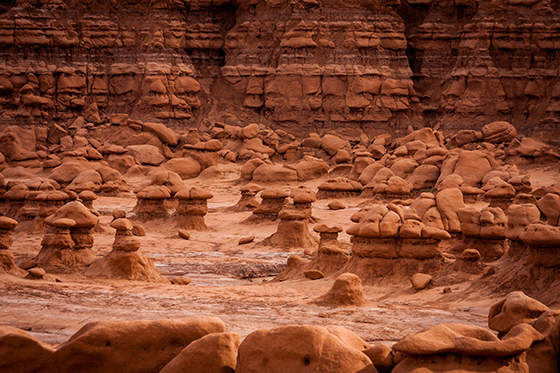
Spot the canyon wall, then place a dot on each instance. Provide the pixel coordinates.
(298, 65)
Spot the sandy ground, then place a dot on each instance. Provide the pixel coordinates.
(228, 280)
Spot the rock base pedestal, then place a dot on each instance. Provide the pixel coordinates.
(125, 265)
(292, 233)
(55, 260)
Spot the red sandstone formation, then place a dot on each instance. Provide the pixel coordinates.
(124, 261)
(192, 207)
(7, 263)
(68, 239)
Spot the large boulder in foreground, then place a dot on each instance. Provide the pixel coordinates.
(21, 352)
(131, 346)
(213, 353)
(468, 340)
(302, 349)
(516, 308)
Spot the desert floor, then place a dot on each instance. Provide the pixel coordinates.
(230, 281)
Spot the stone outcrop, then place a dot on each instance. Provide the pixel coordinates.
(107, 345)
(483, 230)
(7, 263)
(152, 202)
(300, 348)
(345, 291)
(273, 200)
(155, 195)
(527, 341)
(325, 66)
(214, 352)
(192, 208)
(68, 240)
(339, 187)
(461, 51)
(124, 261)
(386, 232)
(543, 242)
(331, 256)
(516, 308)
(247, 202)
(293, 228)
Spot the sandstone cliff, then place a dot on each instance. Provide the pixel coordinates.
(301, 65)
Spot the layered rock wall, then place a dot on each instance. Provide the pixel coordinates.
(299, 65)
(477, 60)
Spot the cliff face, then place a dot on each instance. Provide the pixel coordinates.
(477, 61)
(299, 65)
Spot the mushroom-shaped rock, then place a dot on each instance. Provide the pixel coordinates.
(305, 197)
(200, 194)
(346, 291)
(7, 223)
(192, 208)
(543, 241)
(57, 196)
(87, 197)
(7, 263)
(293, 228)
(64, 223)
(250, 188)
(328, 243)
(124, 261)
(247, 202)
(151, 201)
(76, 211)
(273, 200)
(322, 228)
(272, 193)
(122, 224)
(157, 192)
(15, 198)
(68, 239)
(373, 214)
